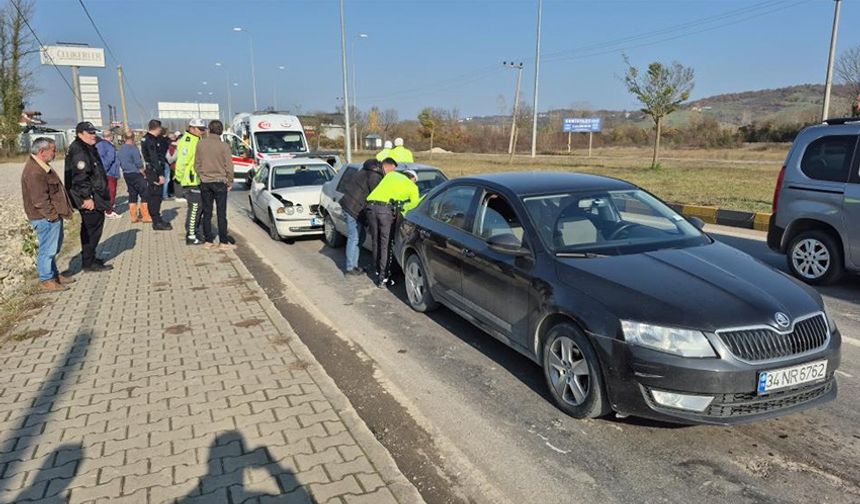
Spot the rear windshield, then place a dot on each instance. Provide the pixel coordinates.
(278, 142)
(299, 176)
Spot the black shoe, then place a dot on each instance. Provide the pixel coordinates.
(96, 267)
(161, 226)
(193, 241)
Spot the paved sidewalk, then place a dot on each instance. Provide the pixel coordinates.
(173, 378)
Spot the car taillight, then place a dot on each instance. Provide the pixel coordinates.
(778, 188)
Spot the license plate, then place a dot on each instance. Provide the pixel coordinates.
(315, 221)
(776, 379)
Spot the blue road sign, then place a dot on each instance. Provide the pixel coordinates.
(583, 125)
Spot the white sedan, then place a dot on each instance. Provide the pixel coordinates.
(285, 197)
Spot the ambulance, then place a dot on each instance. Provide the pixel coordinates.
(256, 139)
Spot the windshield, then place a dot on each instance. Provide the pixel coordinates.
(609, 223)
(428, 179)
(298, 176)
(276, 142)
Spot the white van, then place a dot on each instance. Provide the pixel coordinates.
(255, 139)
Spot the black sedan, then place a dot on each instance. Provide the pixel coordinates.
(626, 305)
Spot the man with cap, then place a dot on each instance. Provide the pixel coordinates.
(355, 185)
(186, 176)
(86, 183)
(385, 152)
(395, 193)
(154, 161)
(400, 153)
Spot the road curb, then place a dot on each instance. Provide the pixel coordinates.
(725, 217)
(400, 486)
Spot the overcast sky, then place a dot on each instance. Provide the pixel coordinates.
(443, 53)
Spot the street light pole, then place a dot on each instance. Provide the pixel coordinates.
(537, 77)
(346, 125)
(354, 95)
(828, 83)
(253, 71)
(519, 68)
(229, 97)
(275, 89)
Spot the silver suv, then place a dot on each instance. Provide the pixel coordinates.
(816, 203)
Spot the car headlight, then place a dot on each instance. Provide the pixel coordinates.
(290, 210)
(683, 342)
(299, 209)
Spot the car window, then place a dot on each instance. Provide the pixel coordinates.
(300, 175)
(496, 217)
(829, 158)
(452, 206)
(428, 180)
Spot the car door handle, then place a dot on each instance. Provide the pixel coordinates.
(468, 253)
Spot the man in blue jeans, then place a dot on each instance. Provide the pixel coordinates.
(355, 184)
(46, 205)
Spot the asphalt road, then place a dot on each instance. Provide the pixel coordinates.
(476, 423)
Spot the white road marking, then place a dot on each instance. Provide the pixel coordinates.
(559, 450)
(851, 341)
(843, 373)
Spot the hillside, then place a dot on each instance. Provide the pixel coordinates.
(793, 104)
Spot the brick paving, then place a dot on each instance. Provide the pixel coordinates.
(173, 378)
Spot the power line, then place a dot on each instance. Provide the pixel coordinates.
(111, 53)
(42, 47)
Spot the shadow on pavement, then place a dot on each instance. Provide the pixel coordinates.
(20, 441)
(226, 478)
(109, 249)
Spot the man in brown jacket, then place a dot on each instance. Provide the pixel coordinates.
(214, 165)
(46, 205)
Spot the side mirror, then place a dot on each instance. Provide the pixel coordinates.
(699, 223)
(507, 244)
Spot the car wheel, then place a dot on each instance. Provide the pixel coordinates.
(253, 213)
(815, 257)
(273, 229)
(332, 238)
(417, 286)
(573, 373)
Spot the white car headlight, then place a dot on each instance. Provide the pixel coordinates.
(290, 210)
(683, 342)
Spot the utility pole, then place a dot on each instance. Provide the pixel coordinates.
(537, 78)
(519, 68)
(122, 97)
(76, 87)
(229, 96)
(828, 83)
(346, 137)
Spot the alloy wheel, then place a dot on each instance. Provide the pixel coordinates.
(810, 258)
(568, 371)
(414, 283)
(328, 230)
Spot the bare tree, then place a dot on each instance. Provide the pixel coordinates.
(16, 76)
(661, 90)
(848, 71)
(387, 120)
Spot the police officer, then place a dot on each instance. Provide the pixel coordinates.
(186, 176)
(396, 192)
(154, 161)
(400, 153)
(385, 152)
(87, 186)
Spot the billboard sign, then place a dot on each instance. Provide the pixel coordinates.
(90, 100)
(583, 125)
(185, 110)
(79, 56)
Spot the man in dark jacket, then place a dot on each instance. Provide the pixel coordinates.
(86, 183)
(355, 185)
(154, 160)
